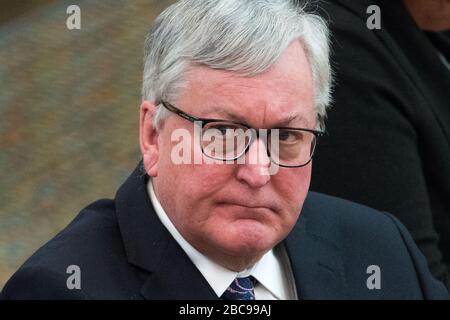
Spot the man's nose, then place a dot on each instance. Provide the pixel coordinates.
(255, 170)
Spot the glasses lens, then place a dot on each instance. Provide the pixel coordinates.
(224, 141)
(291, 147)
(228, 141)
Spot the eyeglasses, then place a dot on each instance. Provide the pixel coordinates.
(227, 141)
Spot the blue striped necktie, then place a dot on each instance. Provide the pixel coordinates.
(241, 289)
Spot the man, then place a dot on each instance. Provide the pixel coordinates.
(213, 212)
(388, 132)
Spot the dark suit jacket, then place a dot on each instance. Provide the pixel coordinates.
(124, 252)
(388, 141)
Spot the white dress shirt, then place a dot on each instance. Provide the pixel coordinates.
(273, 273)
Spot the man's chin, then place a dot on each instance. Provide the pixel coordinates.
(250, 238)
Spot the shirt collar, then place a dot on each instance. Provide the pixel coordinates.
(268, 270)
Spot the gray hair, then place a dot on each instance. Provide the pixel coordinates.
(243, 36)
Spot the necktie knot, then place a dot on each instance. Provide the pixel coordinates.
(241, 289)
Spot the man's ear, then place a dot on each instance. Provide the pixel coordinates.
(148, 138)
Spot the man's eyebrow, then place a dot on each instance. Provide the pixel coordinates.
(282, 122)
(286, 120)
(231, 116)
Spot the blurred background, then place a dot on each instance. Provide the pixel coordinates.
(69, 110)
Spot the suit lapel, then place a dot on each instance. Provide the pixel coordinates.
(170, 274)
(177, 278)
(315, 261)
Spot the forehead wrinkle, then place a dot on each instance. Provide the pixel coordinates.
(222, 100)
(224, 104)
(211, 112)
(264, 110)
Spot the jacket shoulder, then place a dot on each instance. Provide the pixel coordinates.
(343, 212)
(91, 243)
(366, 237)
(351, 224)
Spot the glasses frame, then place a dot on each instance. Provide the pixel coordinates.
(205, 121)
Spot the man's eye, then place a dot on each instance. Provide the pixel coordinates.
(225, 130)
(287, 136)
(222, 129)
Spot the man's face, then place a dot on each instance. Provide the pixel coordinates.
(232, 211)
